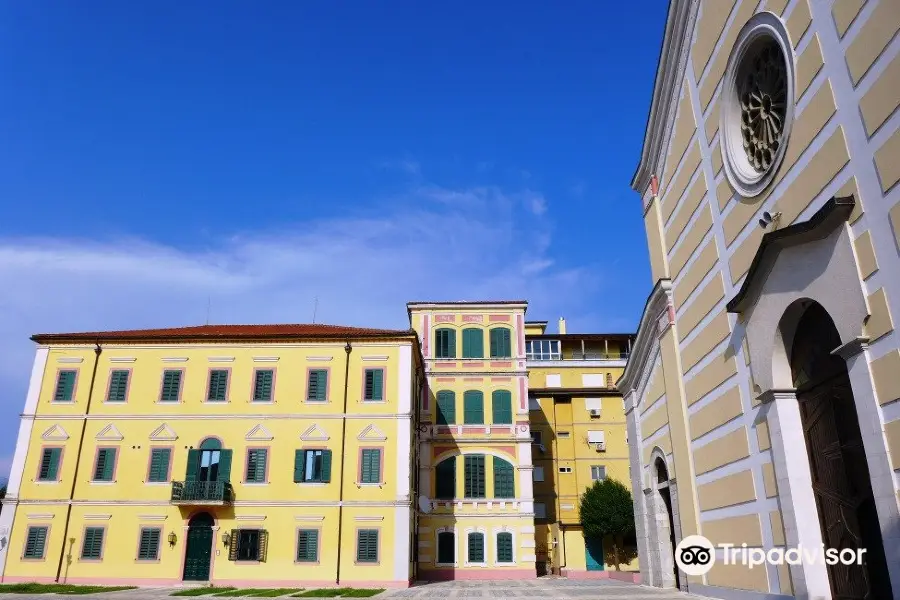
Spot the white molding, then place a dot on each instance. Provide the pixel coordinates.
(97, 517)
(309, 519)
(70, 359)
(319, 358)
(372, 434)
(224, 417)
(259, 434)
(250, 518)
(174, 359)
(149, 518)
(56, 433)
(163, 433)
(218, 359)
(314, 434)
(265, 359)
(369, 518)
(40, 516)
(122, 359)
(377, 358)
(110, 433)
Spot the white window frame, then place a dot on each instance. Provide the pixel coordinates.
(494, 562)
(565, 469)
(598, 467)
(484, 537)
(455, 533)
(542, 350)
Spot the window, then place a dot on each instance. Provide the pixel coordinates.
(565, 469)
(49, 469)
(533, 403)
(171, 386)
(540, 510)
(374, 385)
(476, 547)
(308, 545)
(501, 406)
(504, 481)
(218, 386)
(504, 547)
(256, 465)
(262, 385)
(445, 343)
(367, 546)
(248, 544)
(317, 385)
(65, 385)
(474, 476)
(598, 472)
(542, 350)
(473, 343)
(92, 545)
(594, 406)
(538, 474)
(500, 343)
(370, 466)
(160, 459)
(312, 466)
(446, 548)
(148, 547)
(473, 408)
(118, 385)
(445, 479)
(105, 467)
(596, 437)
(563, 435)
(35, 541)
(446, 407)
(536, 437)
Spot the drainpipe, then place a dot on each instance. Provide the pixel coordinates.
(87, 410)
(348, 349)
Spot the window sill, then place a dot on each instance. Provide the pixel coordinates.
(255, 483)
(373, 563)
(481, 565)
(255, 402)
(454, 565)
(102, 482)
(313, 401)
(158, 483)
(313, 483)
(373, 401)
(360, 484)
(215, 402)
(62, 402)
(173, 402)
(312, 563)
(247, 562)
(115, 402)
(29, 559)
(46, 481)
(90, 560)
(147, 561)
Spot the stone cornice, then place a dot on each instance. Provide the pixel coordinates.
(657, 305)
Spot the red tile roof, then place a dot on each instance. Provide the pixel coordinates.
(226, 332)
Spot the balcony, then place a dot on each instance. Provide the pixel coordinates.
(205, 493)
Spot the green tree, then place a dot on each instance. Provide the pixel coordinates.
(607, 510)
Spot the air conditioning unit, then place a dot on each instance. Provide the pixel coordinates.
(594, 412)
(601, 446)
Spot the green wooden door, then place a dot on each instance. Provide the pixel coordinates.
(199, 548)
(593, 554)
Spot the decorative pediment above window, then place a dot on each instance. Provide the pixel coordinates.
(110, 434)
(314, 434)
(259, 434)
(55, 434)
(163, 433)
(372, 433)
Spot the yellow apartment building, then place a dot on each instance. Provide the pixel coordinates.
(235, 455)
(578, 436)
(762, 394)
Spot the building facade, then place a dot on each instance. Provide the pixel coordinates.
(762, 395)
(578, 436)
(235, 455)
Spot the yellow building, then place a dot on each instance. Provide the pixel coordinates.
(236, 455)
(578, 437)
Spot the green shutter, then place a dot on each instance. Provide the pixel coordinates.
(374, 385)
(193, 465)
(233, 546)
(371, 466)
(35, 542)
(92, 546)
(473, 408)
(501, 405)
(106, 462)
(262, 387)
(367, 545)
(445, 343)
(218, 385)
(446, 407)
(256, 465)
(474, 476)
(504, 547)
(262, 548)
(49, 464)
(504, 481)
(446, 548)
(317, 386)
(476, 547)
(501, 346)
(171, 386)
(326, 466)
(65, 385)
(118, 386)
(159, 464)
(308, 545)
(224, 465)
(445, 479)
(473, 343)
(298, 465)
(148, 548)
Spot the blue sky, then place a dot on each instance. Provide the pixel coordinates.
(160, 157)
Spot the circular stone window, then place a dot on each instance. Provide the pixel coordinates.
(757, 104)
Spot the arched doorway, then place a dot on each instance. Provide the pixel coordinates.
(837, 460)
(662, 483)
(198, 550)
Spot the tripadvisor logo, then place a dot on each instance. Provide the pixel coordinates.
(695, 555)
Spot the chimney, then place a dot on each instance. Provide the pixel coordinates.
(562, 326)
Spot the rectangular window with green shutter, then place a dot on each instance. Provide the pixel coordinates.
(308, 545)
(218, 385)
(370, 465)
(501, 343)
(367, 546)
(501, 407)
(148, 544)
(317, 385)
(446, 407)
(49, 467)
(105, 464)
(474, 476)
(473, 408)
(256, 465)
(263, 383)
(248, 545)
(65, 385)
(473, 343)
(171, 385)
(312, 465)
(446, 551)
(35, 542)
(476, 547)
(504, 479)
(374, 385)
(504, 547)
(445, 343)
(445, 479)
(118, 385)
(160, 459)
(92, 544)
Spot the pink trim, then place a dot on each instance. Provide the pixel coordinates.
(312, 583)
(654, 185)
(377, 550)
(502, 429)
(271, 400)
(127, 385)
(501, 379)
(102, 543)
(327, 384)
(497, 318)
(137, 551)
(359, 463)
(56, 385)
(445, 365)
(384, 384)
(62, 451)
(446, 379)
(425, 338)
(162, 381)
(475, 574)
(247, 464)
(43, 557)
(473, 318)
(171, 450)
(25, 579)
(523, 395)
(479, 363)
(520, 329)
(501, 364)
(445, 318)
(227, 385)
(425, 394)
(114, 468)
(318, 545)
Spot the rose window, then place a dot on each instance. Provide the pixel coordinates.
(763, 94)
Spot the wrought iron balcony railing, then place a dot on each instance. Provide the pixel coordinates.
(202, 492)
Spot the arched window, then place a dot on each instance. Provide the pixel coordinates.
(446, 542)
(445, 343)
(473, 343)
(446, 407)
(211, 443)
(501, 407)
(501, 342)
(504, 480)
(445, 479)
(504, 547)
(473, 408)
(476, 547)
